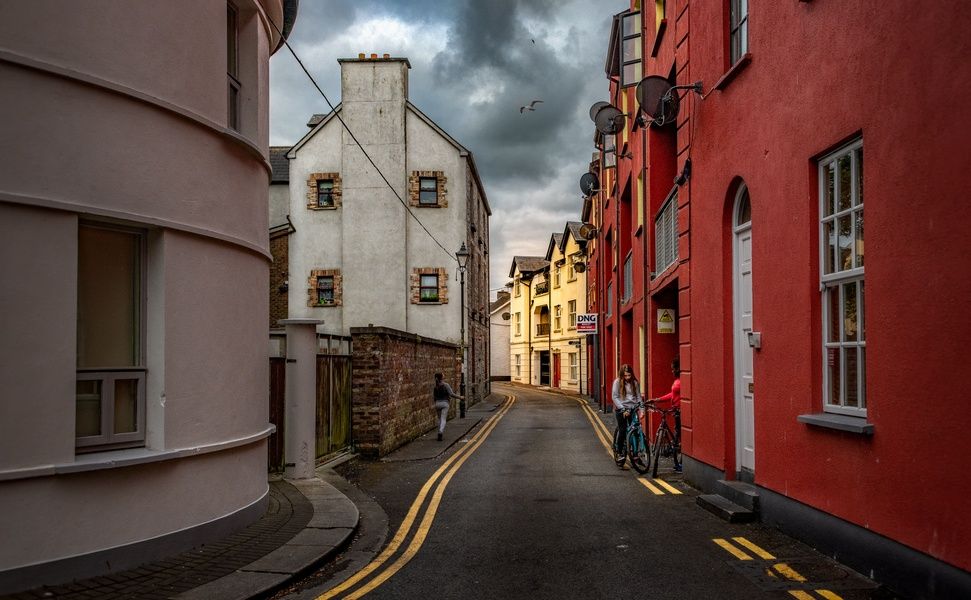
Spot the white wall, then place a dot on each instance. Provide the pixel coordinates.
(499, 355)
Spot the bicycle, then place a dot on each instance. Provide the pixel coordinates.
(666, 443)
(638, 449)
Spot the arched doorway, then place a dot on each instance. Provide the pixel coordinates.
(742, 301)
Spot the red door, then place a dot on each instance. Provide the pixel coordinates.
(556, 370)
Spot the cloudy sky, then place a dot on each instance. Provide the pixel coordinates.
(474, 63)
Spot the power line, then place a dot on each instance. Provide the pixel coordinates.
(353, 137)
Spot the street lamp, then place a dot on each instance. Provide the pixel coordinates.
(462, 256)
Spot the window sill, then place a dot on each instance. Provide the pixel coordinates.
(430, 303)
(114, 459)
(733, 72)
(323, 207)
(429, 206)
(846, 423)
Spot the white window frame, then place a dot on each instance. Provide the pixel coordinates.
(738, 29)
(835, 279)
(628, 278)
(556, 275)
(108, 374)
(519, 365)
(572, 311)
(557, 318)
(519, 323)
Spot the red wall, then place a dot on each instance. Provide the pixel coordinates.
(821, 73)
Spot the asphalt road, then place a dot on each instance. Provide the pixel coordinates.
(530, 505)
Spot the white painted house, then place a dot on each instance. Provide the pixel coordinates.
(499, 325)
(357, 255)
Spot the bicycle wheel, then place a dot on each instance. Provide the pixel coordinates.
(659, 442)
(638, 451)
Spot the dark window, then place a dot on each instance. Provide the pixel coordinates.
(232, 64)
(325, 192)
(325, 289)
(428, 190)
(429, 288)
(739, 29)
(630, 49)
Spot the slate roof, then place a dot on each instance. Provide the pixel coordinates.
(528, 264)
(280, 164)
(497, 304)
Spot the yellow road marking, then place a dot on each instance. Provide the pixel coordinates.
(829, 595)
(409, 519)
(736, 552)
(758, 551)
(787, 572)
(426, 522)
(600, 424)
(669, 487)
(657, 491)
(801, 595)
(606, 444)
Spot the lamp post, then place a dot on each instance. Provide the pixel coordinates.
(462, 256)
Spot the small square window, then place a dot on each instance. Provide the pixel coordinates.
(325, 193)
(428, 191)
(325, 289)
(428, 288)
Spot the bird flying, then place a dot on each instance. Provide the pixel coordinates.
(530, 106)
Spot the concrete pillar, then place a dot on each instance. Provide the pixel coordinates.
(301, 397)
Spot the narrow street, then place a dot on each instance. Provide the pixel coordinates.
(533, 507)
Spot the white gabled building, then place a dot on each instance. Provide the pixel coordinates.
(357, 256)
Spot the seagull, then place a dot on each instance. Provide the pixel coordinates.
(523, 109)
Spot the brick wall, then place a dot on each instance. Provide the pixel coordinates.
(393, 375)
(280, 249)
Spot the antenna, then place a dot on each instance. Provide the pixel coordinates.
(609, 120)
(588, 231)
(659, 100)
(589, 184)
(596, 108)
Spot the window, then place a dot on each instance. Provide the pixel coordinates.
(110, 401)
(428, 291)
(739, 29)
(325, 193)
(610, 298)
(519, 365)
(666, 235)
(574, 371)
(572, 310)
(232, 64)
(518, 290)
(630, 49)
(628, 278)
(428, 191)
(610, 152)
(519, 323)
(325, 290)
(571, 273)
(557, 317)
(659, 11)
(842, 280)
(556, 275)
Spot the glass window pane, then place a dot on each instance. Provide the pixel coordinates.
(862, 375)
(845, 260)
(846, 183)
(829, 188)
(850, 323)
(126, 406)
(88, 419)
(833, 369)
(861, 311)
(631, 49)
(429, 281)
(632, 73)
(833, 314)
(109, 298)
(744, 209)
(630, 24)
(743, 35)
(859, 238)
(829, 238)
(428, 183)
(852, 375)
(859, 176)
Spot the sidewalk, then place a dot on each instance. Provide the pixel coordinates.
(306, 523)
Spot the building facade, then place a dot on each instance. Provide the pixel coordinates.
(530, 321)
(135, 258)
(797, 377)
(500, 323)
(365, 251)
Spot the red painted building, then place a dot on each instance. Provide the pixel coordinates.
(833, 382)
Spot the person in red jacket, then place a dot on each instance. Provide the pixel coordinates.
(674, 397)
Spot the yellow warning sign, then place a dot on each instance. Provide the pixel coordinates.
(665, 320)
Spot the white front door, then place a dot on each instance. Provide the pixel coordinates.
(744, 372)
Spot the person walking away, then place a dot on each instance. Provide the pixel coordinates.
(441, 394)
(674, 397)
(626, 392)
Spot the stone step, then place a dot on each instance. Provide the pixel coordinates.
(741, 493)
(725, 508)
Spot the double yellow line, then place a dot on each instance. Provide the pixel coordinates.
(449, 468)
(780, 567)
(658, 487)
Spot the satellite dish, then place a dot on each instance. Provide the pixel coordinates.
(505, 316)
(596, 108)
(589, 184)
(658, 99)
(580, 267)
(609, 120)
(588, 231)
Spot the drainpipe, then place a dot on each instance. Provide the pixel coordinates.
(529, 328)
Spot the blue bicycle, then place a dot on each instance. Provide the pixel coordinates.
(638, 449)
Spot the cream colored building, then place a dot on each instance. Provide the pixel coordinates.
(548, 293)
